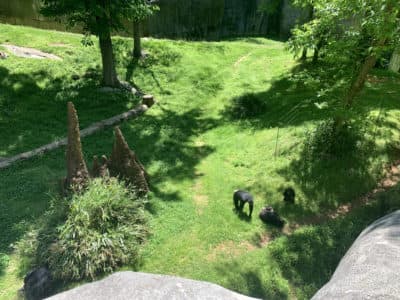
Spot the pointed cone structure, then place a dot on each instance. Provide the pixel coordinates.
(124, 163)
(77, 173)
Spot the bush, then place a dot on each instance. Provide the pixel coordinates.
(331, 141)
(104, 228)
(247, 106)
(4, 260)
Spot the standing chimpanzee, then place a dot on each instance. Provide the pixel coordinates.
(240, 198)
(289, 195)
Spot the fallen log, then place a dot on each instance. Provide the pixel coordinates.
(95, 127)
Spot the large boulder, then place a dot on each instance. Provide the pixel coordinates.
(371, 268)
(138, 286)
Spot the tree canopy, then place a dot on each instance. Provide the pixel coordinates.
(350, 35)
(90, 13)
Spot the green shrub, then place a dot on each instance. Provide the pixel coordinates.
(331, 141)
(104, 228)
(4, 260)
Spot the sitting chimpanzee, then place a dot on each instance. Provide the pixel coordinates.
(289, 195)
(240, 198)
(268, 215)
(37, 284)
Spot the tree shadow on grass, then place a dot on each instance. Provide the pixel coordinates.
(242, 215)
(246, 277)
(24, 194)
(158, 56)
(32, 107)
(329, 182)
(164, 144)
(296, 98)
(309, 256)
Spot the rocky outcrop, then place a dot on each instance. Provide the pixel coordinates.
(142, 286)
(370, 269)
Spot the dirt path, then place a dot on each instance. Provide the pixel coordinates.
(29, 52)
(200, 200)
(241, 59)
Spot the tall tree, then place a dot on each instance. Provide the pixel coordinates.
(143, 10)
(97, 17)
(394, 64)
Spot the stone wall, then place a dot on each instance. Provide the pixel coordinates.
(189, 19)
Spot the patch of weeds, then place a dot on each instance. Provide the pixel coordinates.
(246, 106)
(90, 234)
(4, 261)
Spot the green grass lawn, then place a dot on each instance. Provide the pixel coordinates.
(197, 153)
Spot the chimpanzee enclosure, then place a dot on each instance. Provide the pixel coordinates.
(191, 19)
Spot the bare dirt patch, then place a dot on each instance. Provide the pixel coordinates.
(29, 52)
(231, 249)
(200, 200)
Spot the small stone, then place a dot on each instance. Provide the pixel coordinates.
(3, 55)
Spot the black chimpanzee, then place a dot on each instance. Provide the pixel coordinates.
(240, 198)
(268, 215)
(289, 195)
(37, 284)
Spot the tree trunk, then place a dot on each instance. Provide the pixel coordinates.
(107, 56)
(137, 48)
(394, 64)
(316, 52)
(359, 81)
(304, 55)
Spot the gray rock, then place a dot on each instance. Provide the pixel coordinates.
(371, 268)
(138, 286)
(3, 55)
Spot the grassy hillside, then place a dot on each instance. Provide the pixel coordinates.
(198, 145)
